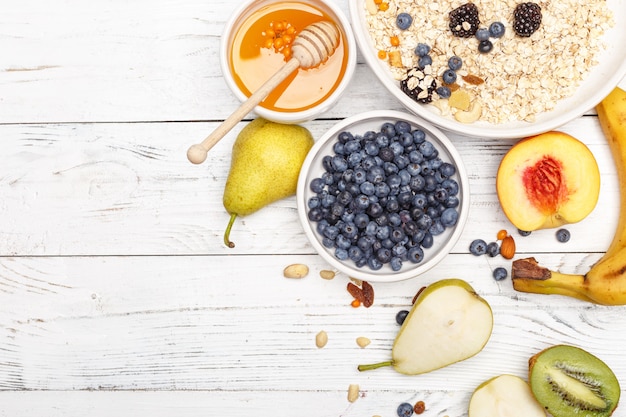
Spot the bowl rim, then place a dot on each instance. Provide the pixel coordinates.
(303, 115)
(464, 193)
(482, 130)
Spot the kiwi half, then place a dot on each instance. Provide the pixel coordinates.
(568, 382)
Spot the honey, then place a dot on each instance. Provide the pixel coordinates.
(262, 45)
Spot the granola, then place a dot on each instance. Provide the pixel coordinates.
(522, 76)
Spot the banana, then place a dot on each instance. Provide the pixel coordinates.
(605, 282)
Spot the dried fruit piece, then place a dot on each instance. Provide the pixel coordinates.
(460, 99)
(395, 59)
(507, 248)
(464, 21)
(569, 381)
(473, 79)
(419, 407)
(368, 294)
(355, 291)
(296, 271)
(321, 339)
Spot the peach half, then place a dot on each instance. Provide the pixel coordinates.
(547, 181)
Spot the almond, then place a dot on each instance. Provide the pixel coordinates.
(507, 248)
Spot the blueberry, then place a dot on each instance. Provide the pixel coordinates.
(422, 49)
(493, 249)
(388, 129)
(482, 34)
(447, 169)
(499, 273)
(436, 228)
(449, 217)
(371, 148)
(427, 240)
(341, 254)
(523, 232)
(424, 61)
(405, 410)
(496, 29)
(402, 126)
(478, 247)
(563, 235)
(403, 21)
(449, 76)
(443, 91)
(427, 149)
(418, 136)
(415, 254)
(401, 316)
(317, 185)
(455, 63)
(374, 263)
(485, 46)
(395, 263)
(355, 253)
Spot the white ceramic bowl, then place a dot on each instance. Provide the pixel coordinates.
(600, 81)
(360, 124)
(248, 7)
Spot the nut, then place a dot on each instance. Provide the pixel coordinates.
(469, 116)
(353, 392)
(507, 248)
(362, 341)
(326, 274)
(296, 271)
(321, 339)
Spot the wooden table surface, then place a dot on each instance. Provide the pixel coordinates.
(117, 295)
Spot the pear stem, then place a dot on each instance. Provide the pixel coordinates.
(374, 366)
(227, 241)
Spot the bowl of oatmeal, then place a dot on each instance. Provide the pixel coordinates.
(498, 69)
(383, 196)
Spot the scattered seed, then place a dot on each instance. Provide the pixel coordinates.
(296, 271)
(321, 339)
(502, 234)
(326, 274)
(353, 392)
(363, 341)
(355, 303)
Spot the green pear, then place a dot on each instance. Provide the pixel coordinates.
(448, 323)
(265, 164)
(504, 396)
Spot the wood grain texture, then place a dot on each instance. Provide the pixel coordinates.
(117, 295)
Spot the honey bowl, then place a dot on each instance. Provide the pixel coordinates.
(256, 44)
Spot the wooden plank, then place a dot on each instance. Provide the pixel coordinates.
(127, 189)
(215, 323)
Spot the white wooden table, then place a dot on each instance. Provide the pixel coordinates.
(117, 295)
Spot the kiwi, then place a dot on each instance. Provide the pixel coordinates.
(568, 382)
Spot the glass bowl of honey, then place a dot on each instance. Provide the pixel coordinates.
(256, 43)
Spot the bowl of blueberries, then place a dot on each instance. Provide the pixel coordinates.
(383, 196)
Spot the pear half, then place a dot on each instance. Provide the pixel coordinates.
(504, 396)
(448, 323)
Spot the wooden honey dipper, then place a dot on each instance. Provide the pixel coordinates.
(311, 47)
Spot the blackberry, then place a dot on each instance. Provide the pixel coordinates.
(464, 20)
(526, 19)
(416, 86)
